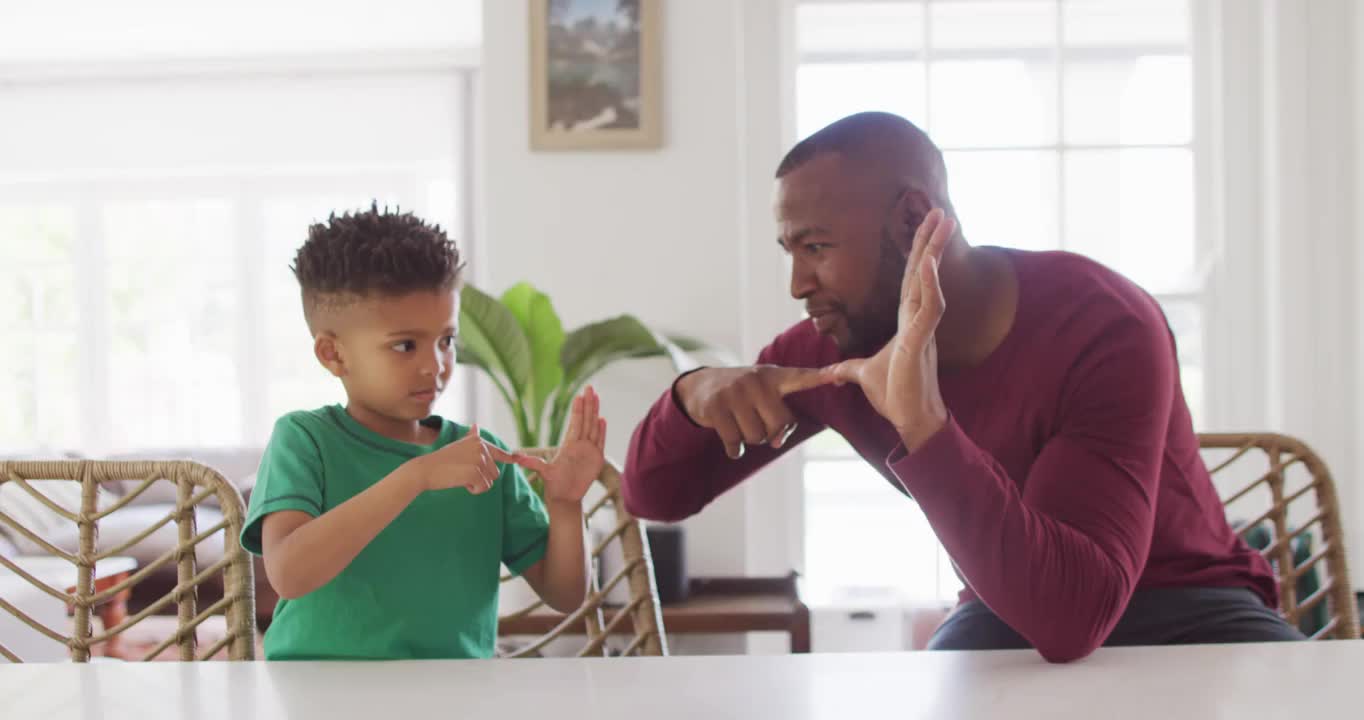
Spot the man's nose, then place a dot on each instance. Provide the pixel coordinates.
(802, 281)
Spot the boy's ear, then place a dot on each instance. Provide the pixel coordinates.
(328, 352)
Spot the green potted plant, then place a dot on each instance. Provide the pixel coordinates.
(537, 367)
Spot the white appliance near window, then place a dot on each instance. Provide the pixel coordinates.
(859, 620)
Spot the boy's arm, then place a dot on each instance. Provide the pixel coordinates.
(302, 553)
(560, 577)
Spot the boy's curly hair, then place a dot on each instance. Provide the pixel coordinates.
(373, 253)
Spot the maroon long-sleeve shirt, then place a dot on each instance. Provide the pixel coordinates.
(1068, 474)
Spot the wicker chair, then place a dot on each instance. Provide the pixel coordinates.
(639, 616)
(1280, 497)
(194, 484)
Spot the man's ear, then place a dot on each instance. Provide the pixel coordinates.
(328, 352)
(910, 210)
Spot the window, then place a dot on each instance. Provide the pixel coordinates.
(171, 314)
(146, 238)
(1065, 124)
(38, 311)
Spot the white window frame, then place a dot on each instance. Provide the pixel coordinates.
(1060, 55)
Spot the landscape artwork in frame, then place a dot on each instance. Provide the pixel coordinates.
(595, 74)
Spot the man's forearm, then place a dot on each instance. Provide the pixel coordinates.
(674, 467)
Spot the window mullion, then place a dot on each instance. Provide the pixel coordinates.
(92, 283)
(927, 42)
(252, 342)
(1060, 80)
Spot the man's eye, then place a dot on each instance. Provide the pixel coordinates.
(404, 346)
(447, 342)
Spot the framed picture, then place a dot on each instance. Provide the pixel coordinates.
(595, 75)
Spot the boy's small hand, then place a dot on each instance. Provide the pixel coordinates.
(580, 457)
(470, 463)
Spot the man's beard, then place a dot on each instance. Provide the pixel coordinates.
(869, 331)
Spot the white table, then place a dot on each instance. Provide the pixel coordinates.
(23, 640)
(1317, 681)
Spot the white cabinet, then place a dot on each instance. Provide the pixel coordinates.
(871, 622)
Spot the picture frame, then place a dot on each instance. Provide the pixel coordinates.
(596, 76)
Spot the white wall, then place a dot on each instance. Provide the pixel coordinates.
(1357, 46)
(1287, 343)
(1323, 370)
(668, 235)
(658, 233)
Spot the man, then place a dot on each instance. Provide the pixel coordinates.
(1029, 402)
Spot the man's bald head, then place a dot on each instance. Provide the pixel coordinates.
(888, 149)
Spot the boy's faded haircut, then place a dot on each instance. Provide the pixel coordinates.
(372, 253)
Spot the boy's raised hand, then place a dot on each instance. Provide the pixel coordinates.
(580, 457)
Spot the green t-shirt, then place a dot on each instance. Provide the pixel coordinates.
(427, 585)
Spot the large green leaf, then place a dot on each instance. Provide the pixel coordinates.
(466, 357)
(491, 338)
(678, 349)
(545, 335)
(589, 349)
(687, 343)
(668, 344)
(682, 360)
(594, 346)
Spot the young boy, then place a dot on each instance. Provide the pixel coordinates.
(383, 527)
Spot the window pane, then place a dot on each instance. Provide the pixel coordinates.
(1005, 198)
(828, 444)
(1186, 321)
(36, 233)
(173, 314)
(826, 92)
(41, 408)
(993, 103)
(37, 276)
(38, 366)
(1135, 100)
(861, 532)
(1133, 211)
(986, 24)
(1125, 22)
(864, 27)
(42, 296)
